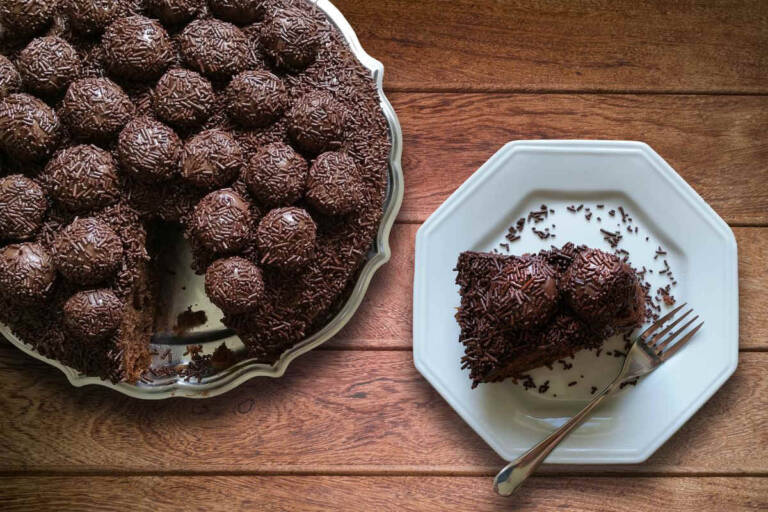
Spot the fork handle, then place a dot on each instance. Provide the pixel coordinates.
(514, 474)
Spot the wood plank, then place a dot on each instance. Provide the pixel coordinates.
(385, 316)
(716, 143)
(423, 494)
(599, 45)
(336, 412)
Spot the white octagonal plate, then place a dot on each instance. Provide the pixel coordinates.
(700, 249)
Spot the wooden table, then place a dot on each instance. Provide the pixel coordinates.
(353, 426)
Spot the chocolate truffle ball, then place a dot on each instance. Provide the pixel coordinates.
(316, 123)
(148, 150)
(215, 48)
(22, 207)
(286, 237)
(334, 186)
(183, 98)
(91, 16)
(276, 175)
(10, 79)
(291, 38)
(26, 273)
(211, 159)
(136, 48)
(29, 129)
(26, 17)
(221, 221)
(96, 108)
(174, 12)
(87, 251)
(256, 98)
(93, 315)
(48, 65)
(241, 12)
(524, 293)
(234, 284)
(83, 178)
(598, 285)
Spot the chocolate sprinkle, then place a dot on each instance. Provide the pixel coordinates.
(26, 17)
(82, 178)
(211, 159)
(22, 207)
(87, 251)
(148, 150)
(136, 48)
(174, 12)
(26, 273)
(221, 221)
(215, 48)
(234, 284)
(241, 12)
(334, 186)
(10, 79)
(256, 98)
(48, 64)
(286, 237)
(96, 108)
(90, 16)
(92, 315)
(276, 175)
(183, 98)
(316, 123)
(29, 129)
(290, 38)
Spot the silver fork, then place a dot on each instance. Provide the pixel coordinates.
(648, 352)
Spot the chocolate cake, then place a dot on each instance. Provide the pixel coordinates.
(248, 124)
(521, 312)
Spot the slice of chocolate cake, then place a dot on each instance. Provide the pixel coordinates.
(521, 312)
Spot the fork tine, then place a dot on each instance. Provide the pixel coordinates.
(661, 346)
(677, 346)
(658, 323)
(668, 328)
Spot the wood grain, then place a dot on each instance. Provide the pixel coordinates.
(340, 493)
(599, 45)
(340, 412)
(385, 317)
(717, 143)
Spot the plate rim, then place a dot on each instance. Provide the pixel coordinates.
(248, 369)
(570, 456)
